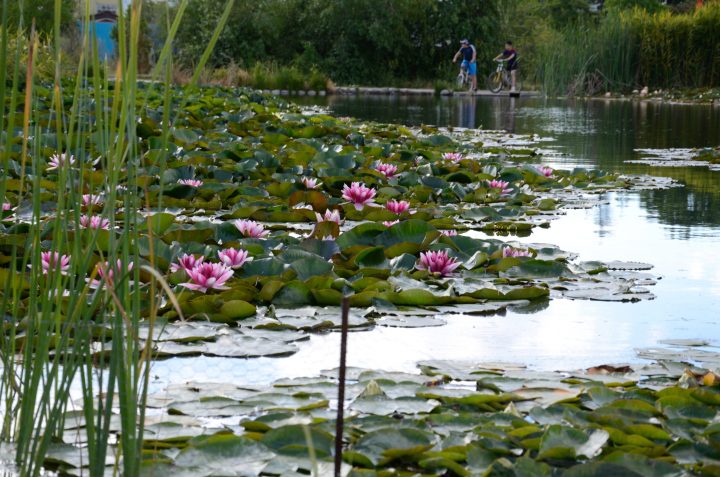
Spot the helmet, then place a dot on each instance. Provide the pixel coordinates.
(464, 42)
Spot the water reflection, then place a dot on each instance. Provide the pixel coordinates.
(675, 229)
(594, 133)
(466, 112)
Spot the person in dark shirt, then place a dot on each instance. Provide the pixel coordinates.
(510, 55)
(469, 55)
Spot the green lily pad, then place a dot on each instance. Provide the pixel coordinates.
(294, 440)
(383, 446)
(560, 442)
(225, 452)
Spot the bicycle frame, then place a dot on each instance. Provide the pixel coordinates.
(500, 78)
(463, 78)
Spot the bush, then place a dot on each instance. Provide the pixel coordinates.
(317, 81)
(289, 78)
(44, 59)
(260, 77)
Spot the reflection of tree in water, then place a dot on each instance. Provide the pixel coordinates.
(603, 220)
(510, 115)
(698, 203)
(466, 109)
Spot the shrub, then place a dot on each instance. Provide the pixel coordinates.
(317, 81)
(260, 77)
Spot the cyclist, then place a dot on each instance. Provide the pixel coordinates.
(510, 55)
(469, 55)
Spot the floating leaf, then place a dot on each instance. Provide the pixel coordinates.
(385, 445)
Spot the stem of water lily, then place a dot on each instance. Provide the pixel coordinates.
(339, 421)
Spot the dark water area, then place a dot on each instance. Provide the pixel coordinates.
(597, 133)
(677, 230)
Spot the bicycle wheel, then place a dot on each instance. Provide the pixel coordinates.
(495, 82)
(460, 80)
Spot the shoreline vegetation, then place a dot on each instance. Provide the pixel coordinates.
(628, 45)
(271, 79)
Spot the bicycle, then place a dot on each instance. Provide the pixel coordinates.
(463, 78)
(501, 78)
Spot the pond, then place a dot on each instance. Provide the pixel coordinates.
(675, 229)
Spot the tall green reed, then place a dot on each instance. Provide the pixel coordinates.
(634, 49)
(69, 346)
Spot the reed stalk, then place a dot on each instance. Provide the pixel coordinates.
(69, 346)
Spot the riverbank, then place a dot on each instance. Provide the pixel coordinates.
(391, 91)
(681, 96)
(674, 96)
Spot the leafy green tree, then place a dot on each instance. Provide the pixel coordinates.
(153, 31)
(651, 6)
(565, 13)
(353, 41)
(43, 11)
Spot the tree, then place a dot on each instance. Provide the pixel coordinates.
(564, 13)
(43, 11)
(152, 32)
(651, 6)
(352, 41)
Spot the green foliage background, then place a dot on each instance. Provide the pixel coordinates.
(353, 41)
(632, 48)
(43, 11)
(565, 46)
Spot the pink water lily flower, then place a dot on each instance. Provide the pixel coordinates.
(94, 222)
(397, 207)
(108, 271)
(187, 262)
(497, 184)
(57, 161)
(449, 233)
(206, 276)
(52, 261)
(252, 229)
(89, 200)
(546, 171)
(437, 262)
(329, 216)
(358, 195)
(234, 258)
(190, 182)
(310, 182)
(514, 252)
(390, 223)
(452, 156)
(388, 170)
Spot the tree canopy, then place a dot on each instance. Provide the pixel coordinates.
(42, 11)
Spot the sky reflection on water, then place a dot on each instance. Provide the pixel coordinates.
(676, 230)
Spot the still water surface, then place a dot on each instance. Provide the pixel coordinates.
(677, 230)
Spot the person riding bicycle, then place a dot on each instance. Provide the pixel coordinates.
(510, 55)
(469, 56)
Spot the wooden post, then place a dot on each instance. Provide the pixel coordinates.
(339, 422)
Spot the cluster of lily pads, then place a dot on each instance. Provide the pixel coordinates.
(453, 419)
(680, 157)
(262, 217)
(257, 202)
